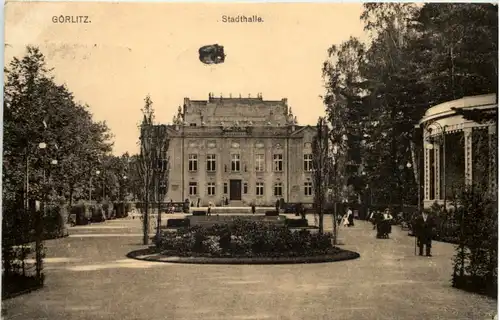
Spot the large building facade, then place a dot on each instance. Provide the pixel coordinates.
(245, 150)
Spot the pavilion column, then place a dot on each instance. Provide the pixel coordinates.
(437, 171)
(468, 155)
(427, 175)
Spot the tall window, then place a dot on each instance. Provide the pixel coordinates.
(193, 162)
(211, 162)
(245, 188)
(225, 187)
(235, 162)
(211, 188)
(278, 189)
(308, 162)
(259, 188)
(278, 162)
(308, 187)
(259, 162)
(193, 188)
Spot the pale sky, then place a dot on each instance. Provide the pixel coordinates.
(131, 50)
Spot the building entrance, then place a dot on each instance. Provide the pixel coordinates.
(234, 189)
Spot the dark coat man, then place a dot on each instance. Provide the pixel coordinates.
(424, 230)
(253, 208)
(278, 205)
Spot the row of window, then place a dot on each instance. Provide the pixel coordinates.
(236, 163)
(259, 189)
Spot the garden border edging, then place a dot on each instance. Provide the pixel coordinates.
(146, 255)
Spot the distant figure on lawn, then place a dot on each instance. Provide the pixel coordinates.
(253, 208)
(302, 211)
(227, 201)
(424, 228)
(198, 203)
(209, 210)
(278, 205)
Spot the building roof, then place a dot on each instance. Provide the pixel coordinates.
(485, 101)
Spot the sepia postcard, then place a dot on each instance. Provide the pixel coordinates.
(249, 161)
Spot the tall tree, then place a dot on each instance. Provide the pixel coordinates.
(146, 162)
(46, 136)
(321, 166)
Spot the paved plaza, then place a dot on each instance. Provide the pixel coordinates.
(89, 277)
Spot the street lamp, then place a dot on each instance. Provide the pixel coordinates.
(97, 172)
(39, 217)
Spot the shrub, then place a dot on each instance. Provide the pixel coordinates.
(272, 213)
(476, 258)
(53, 223)
(296, 223)
(97, 214)
(178, 223)
(244, 238)
(81, 212)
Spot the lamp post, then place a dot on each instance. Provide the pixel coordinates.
(124, 196)
(39, 216)
(442, 143)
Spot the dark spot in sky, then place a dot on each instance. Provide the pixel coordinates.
(212, 54)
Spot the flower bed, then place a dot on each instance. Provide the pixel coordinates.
(244, 239)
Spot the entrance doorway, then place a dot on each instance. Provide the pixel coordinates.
(234, 189)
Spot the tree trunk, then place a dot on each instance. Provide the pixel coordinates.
(146, 211)
(414, 160)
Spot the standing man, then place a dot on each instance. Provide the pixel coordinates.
(424, 226)
(278, 205)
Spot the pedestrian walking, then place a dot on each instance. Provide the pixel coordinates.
(424, 229)
(209, 210)
(350, 217)
(345, 221)
(387, 223)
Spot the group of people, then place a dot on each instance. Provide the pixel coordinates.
(382, 222)
(346, 220)
(422, 225)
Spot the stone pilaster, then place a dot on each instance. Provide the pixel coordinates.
(427, 174)
(468, 155)
(437, 172)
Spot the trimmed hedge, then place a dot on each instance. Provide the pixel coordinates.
(244, 239)
(178, 223)
(82, 214)
(296, 223)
